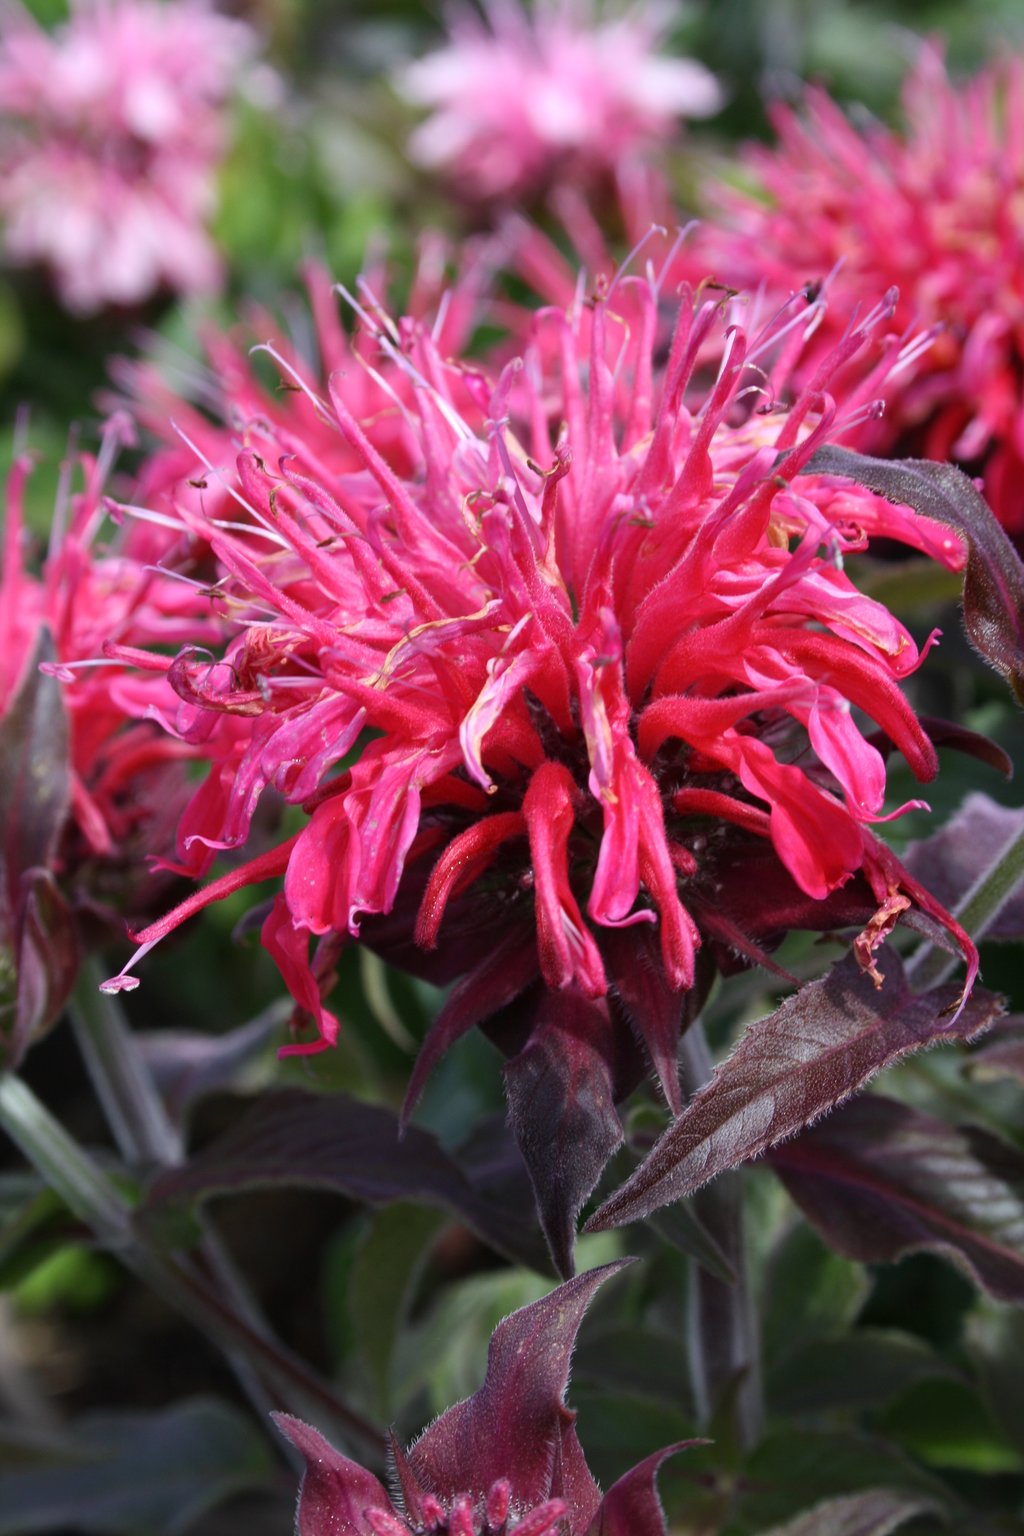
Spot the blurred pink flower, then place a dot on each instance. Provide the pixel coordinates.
(91, 784)
(90, 596)
(560, 704)
(935, 209)
(112, 130)
(567, 92)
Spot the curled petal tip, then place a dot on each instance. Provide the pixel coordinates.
(120, 983)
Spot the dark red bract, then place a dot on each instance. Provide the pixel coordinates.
(506, 1462)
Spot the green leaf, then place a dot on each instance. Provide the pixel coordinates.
(137, 1475)
(946, 1424)
(1001, 1052)
(788, 1471)
(628, 1358)
(33, 1223)
(73, 1277)
(995, 1345)
(809, 1291)
(621, 1429)
(382, 1283)
(863, 1368)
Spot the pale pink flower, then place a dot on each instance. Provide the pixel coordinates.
(111, 131)
(935, 208)
(521, 100)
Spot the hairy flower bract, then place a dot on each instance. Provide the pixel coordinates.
(505, 1462)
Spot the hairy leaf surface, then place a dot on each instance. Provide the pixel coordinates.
(789, 1069)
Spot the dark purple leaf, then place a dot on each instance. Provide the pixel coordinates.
(409, 1490)
(493, 1164)
(1002, 1054)
(631, 1506)
(494, 982)
(187, 1066)
(335, 1492)
(947, 733)
(35, 779)
(46, 961)
(879, 1180)
(653, 1008)
(334, 1142)
(874, 1513)
(994, 577)
(790, 1068)
(561, 1101)
(952, 859)
(513, 1426)
(121, 1473)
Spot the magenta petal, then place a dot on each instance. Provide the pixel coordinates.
(631, 1506)
(511, 1427)
(335, 1492)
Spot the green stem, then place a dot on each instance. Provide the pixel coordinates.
(66, 1168)
(95, 1200)
(141, 1127)
(145, 1134)
(975, 912)
(723, 1338)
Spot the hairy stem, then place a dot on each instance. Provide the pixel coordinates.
(123, 1084)
(92, 1196)
(723, 1339)
(146, 1135)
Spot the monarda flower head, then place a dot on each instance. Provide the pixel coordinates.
(571, 704)
(91, 784)
(111, 130)
(506, 1462)
(523, 101)
(934, 209)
